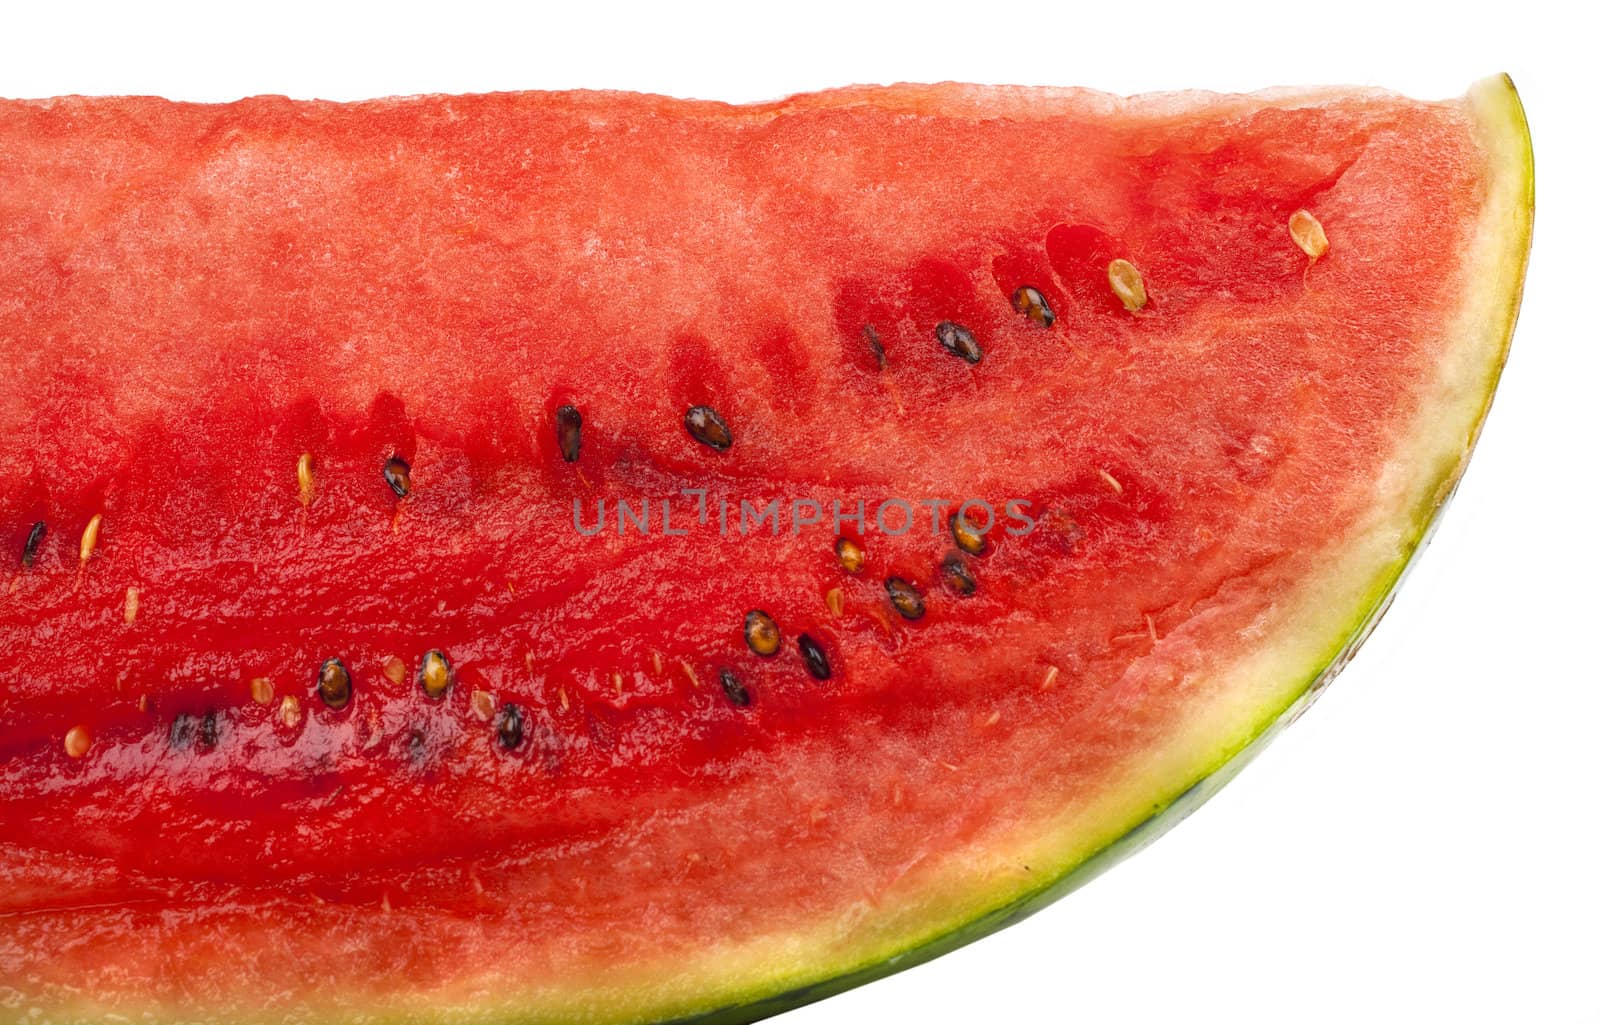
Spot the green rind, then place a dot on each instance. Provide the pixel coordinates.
(1501, 116)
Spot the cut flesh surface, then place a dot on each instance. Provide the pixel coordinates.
(236, 334)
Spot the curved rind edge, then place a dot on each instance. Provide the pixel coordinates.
(1502, 129)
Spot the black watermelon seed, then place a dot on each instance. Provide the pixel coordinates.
(761, 633)
(870, 333)
(182, 732)
(569, 432)
(194, 731)
(958, 575)
(333, 684)
(815, 658)
(967, 536)
(851, 556)
(706, 426)
(435, 674)
(959, 341)
(907, 600)
(736, 693)
(1031, 303)
(398, 474)
(30, 548)
(508, 726)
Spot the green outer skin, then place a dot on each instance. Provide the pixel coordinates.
(1182, 803)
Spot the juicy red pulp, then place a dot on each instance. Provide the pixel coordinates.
(1141, 444)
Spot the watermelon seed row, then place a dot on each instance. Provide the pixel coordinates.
(435, 675)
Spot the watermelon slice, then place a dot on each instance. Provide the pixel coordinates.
(609, 558)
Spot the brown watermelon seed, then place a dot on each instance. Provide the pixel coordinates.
(333, 684)
(1128, 283)
(30, 547)
(91, 537)
(397, 472)
(706, 426)
(1307, 233)
(77, 741)
(761, 633)
(735, 691)
(1031, 303)
(261, 690)
(304, 473)
(508, 726)
(815, 658)
(435, 674)
(870, 333)
(851, 555)
(569, 432)
(967, 537)
(907, 600)
(958, 340)
(958, 575)
(835, 601)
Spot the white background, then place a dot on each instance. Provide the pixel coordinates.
(1422, 846)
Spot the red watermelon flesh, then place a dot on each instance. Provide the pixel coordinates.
(235, 334)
